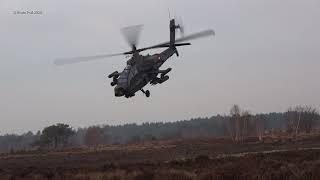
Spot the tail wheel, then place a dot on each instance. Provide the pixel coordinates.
(147, 93)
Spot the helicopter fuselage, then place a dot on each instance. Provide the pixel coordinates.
(140, 71)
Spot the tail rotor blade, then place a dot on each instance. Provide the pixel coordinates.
(181, 26)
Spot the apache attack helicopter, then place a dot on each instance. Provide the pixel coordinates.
(141, 70)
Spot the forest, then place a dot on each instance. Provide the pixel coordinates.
(236, 125)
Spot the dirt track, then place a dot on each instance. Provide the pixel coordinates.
(184, 159)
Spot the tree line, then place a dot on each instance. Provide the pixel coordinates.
(237, 125)
(242, 124)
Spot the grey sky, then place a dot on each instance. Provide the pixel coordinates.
(265, 57)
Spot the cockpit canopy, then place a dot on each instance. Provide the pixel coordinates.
(126, 75)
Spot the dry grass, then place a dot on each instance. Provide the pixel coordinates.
(193, 159)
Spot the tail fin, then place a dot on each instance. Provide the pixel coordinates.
(173, 28)
(172, 32)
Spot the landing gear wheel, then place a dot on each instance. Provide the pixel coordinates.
(147, 93)
(113, 83)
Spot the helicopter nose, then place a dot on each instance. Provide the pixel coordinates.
(118, 91)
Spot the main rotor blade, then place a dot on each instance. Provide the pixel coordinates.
(160, 46)
(201, 34)
(198, 35)
(74, 60)
(132, 34)
(132, 38)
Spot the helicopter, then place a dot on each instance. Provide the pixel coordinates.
(140, 69)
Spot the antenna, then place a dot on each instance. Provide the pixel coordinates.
(169, 14)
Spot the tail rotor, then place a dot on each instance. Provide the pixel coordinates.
(181, 26)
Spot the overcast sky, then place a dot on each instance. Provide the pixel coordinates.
(264, 57)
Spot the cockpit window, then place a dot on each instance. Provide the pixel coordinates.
(123, 78)
(122, 81)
